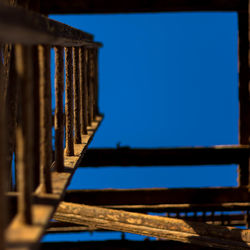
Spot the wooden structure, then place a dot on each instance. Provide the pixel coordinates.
(34, 179)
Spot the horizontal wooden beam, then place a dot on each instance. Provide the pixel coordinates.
(120, 245)
(223, 219)
(18, 25)
(126, 156)
(154, 226)
(154, 196)
(137, 6)
(24, 236)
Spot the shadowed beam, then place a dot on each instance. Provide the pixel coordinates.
(126, 156)
(133, 6)
(154, 226)
(153, 196)
(120, 245)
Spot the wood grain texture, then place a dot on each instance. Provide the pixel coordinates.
(154, 226)
(76, 87)
(69, 102)
(59, 124)
(45, 117)
(24, 134)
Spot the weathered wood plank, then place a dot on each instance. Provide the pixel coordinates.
(225, 219)
(18, 25)
(20, 236)
(154, 196)
(154, 226)
(126, 156)
(130, 6)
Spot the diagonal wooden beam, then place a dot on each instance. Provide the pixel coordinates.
(133, 6)
(153, 196)
(126, 156)
(238, 219)
(154, 226)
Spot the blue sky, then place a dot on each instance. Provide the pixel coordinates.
(166, 80)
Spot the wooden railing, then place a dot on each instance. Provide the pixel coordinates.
(39, 177)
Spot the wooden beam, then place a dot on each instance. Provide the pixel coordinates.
(154, 226)
(133, 6)
(244, 91)
(126, 156)
(223, 219)
(120, 245)
(153, 196)
(18, 25)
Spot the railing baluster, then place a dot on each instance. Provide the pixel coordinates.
(83, 91)
(86, 85)
(69, 103)
(90, 87)
(36, 140)
(96, 85)
(25, 160)
(3, 168)
(76, 86)
(45, 118)
(59, 124)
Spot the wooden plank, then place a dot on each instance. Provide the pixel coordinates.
(154, 226)
(18, 25)
(133, 6)
(224, 219)
(154, 196)
(121, 245)
(126, 156)
(244, 91)
(20, 236)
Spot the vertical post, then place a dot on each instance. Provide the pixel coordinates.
(25, 160)
(83, 91)
(90, 87)
(86, 85)
(59, 124)
(69, 103)
(45, 118)
(76, 85)
(244, 92)
(36, 140)
(96, 83)
(3, 168)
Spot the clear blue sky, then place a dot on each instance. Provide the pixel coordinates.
(166, 80)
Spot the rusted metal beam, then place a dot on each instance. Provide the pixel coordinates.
(18, 25)
(126, 156)
(154, 226)
(137, 6)
(154, 196)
